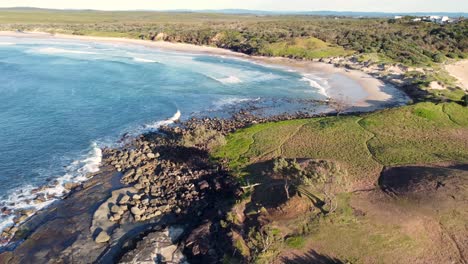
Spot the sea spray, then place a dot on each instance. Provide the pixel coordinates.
(158, 124)
(233, 101)
(26, 197)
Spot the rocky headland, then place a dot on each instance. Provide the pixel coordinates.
(159, 197)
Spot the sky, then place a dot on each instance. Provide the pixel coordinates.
(275, 5)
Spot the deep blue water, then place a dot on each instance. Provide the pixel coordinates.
(60, 100)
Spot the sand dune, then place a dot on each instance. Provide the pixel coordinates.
(459, 70)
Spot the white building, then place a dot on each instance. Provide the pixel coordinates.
(398, 17)
(437, 19)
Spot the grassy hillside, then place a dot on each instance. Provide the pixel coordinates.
(422, 133)
(420, 222)
(308, 48)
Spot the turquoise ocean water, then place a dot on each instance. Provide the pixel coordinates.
(60, 100)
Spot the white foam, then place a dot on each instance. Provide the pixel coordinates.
(6, 222)
(7, 43)
(143, 60)
(61, 51)
(229, 101)
(24, 197)
(229, 80)
(158, 124)
(314, 82)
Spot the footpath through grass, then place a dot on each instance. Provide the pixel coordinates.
(422, 133)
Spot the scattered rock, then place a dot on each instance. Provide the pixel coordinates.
(156, 247)
(129, 174)
(137, 211)
(103, 237)
(203, 185)
(70, 185)
(115, 209)
(124, 199)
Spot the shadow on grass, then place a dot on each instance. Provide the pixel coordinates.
(311, 257)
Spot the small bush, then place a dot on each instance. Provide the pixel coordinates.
(204, 138)
(242, 248)
(296, 242)
(438, 57)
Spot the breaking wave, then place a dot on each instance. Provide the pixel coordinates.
(229, 80)
(320, 84)
(61, 51)
(231, 101)
(34, 198)
(143, 60)
(158, 124)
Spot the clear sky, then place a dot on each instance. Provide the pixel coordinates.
(281, 5)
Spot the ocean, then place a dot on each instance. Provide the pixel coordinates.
(62, 100)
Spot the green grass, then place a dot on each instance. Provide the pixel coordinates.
(296, 242)
(453, 94)
(239, 151)
(374, 57)
(422, 133)
(308, 48)
(456, 114)
(339, 139)
(43, 16)
(347, 236)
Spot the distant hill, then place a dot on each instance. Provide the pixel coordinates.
(267, 13)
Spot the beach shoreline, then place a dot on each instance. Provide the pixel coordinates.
(371, 85)
(379, 93)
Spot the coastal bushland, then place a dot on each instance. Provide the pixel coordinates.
(303, 37)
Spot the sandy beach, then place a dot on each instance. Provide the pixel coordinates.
(459, 70)
(379, 93)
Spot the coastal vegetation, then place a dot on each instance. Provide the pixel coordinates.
(304, 48)
(305, 37)
(349, 155)
(421, 133)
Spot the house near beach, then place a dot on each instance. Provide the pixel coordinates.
(437, 19)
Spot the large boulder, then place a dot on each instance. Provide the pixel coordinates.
(156, 247)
